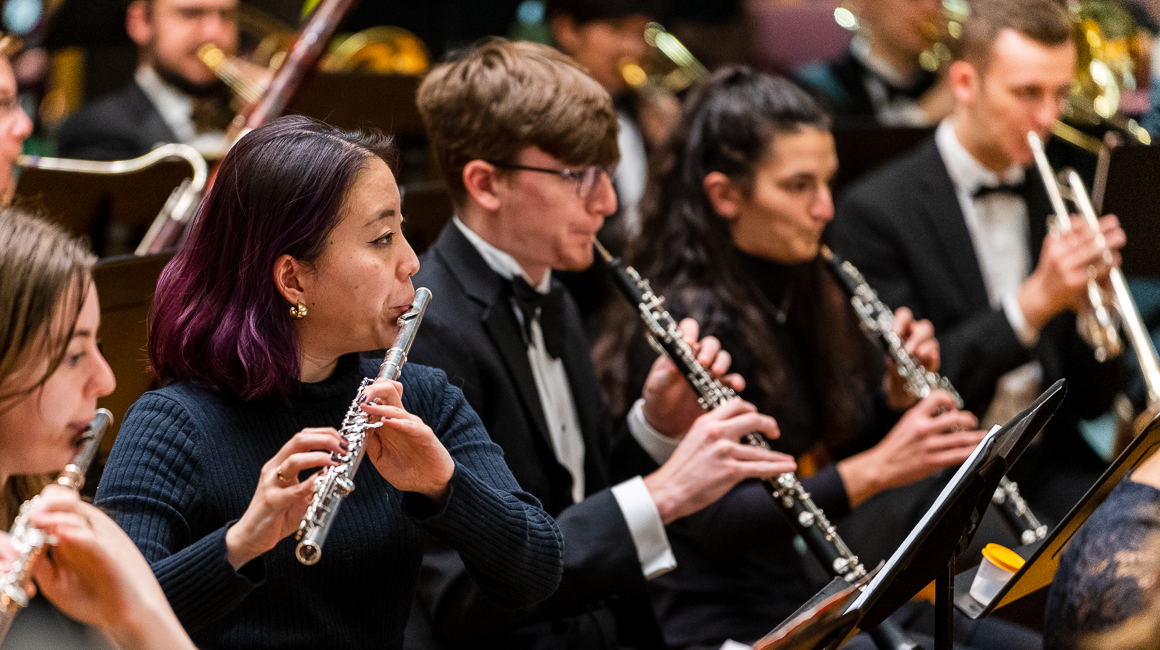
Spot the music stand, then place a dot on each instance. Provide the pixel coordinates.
(126, 285)
(820, 621)
(1130, 194)
(1027, 589)
(929, 551)
(114, 210)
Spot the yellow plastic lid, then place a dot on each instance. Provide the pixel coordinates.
(1003, 557)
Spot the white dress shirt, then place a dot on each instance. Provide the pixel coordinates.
(176, 109)
(636, 503)
(998, 224)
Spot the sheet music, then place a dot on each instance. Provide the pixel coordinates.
(888, 571)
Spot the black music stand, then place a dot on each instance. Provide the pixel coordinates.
(820, 622)
(946, 529)
(126, 285)
(1130, 194)
(1026, 591)
(113, 210)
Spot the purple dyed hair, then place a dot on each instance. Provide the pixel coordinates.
(217, 316)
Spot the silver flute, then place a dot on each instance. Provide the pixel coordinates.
(29, 541)
(336, 483)
(804, 516)
(878, 324)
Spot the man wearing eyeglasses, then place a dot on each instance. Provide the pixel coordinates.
(527, 142)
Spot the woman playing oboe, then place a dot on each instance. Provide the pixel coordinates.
(51, 374)
(732, 239)
(296, 265)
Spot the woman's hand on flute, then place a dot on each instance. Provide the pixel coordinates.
(281, 499)
(405, 450)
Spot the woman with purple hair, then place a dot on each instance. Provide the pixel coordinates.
(296, 265)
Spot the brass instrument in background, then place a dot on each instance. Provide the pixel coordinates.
(1100, 325)
(1073, 189)
(669, 65)
(379, 50)
(1105, 40)
(937, 32)
(182, 202)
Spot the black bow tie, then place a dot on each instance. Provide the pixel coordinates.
(549, 307)
(1002, 188)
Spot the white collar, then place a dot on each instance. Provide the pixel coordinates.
(176, 107)
(967, 173)
(502, 263)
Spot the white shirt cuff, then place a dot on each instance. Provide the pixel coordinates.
(644, 524)
(1027, 334)
(653, 442)
(734, 645)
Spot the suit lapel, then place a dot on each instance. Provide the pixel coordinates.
(487, 288)
(945, 217)
(152, 129)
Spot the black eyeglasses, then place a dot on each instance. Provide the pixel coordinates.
(585, 178)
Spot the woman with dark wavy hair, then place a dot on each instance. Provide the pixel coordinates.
(732, 239)
(296, 264)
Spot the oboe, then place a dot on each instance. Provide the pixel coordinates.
(28, 540)
(878, 324)
(338, 482)
(804, 516)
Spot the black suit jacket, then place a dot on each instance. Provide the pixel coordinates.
(119, 126)
(471, 332)
(904, 229)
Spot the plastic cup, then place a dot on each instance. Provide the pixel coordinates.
(999, 564)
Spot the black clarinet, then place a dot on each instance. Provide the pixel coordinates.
(878, 323)
(804, 516)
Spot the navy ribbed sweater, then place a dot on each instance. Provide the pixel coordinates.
(185, 466)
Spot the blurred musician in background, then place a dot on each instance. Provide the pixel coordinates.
(15, 127)
(51, 375)
(525, 139)
(957, 232)
(733, 240)
(603, 35)
(880, 81)
(173, 97)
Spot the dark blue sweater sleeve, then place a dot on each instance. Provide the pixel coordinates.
(511, 546)
(148, 488)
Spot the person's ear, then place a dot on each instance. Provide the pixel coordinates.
(566, 33)
(138, 22)
(964, 80)
(479, 178)
(290, 279)
(723, 194)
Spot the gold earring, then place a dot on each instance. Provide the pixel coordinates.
(298, 311)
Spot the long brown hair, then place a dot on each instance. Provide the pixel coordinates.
(686, 250)
(45, 275)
